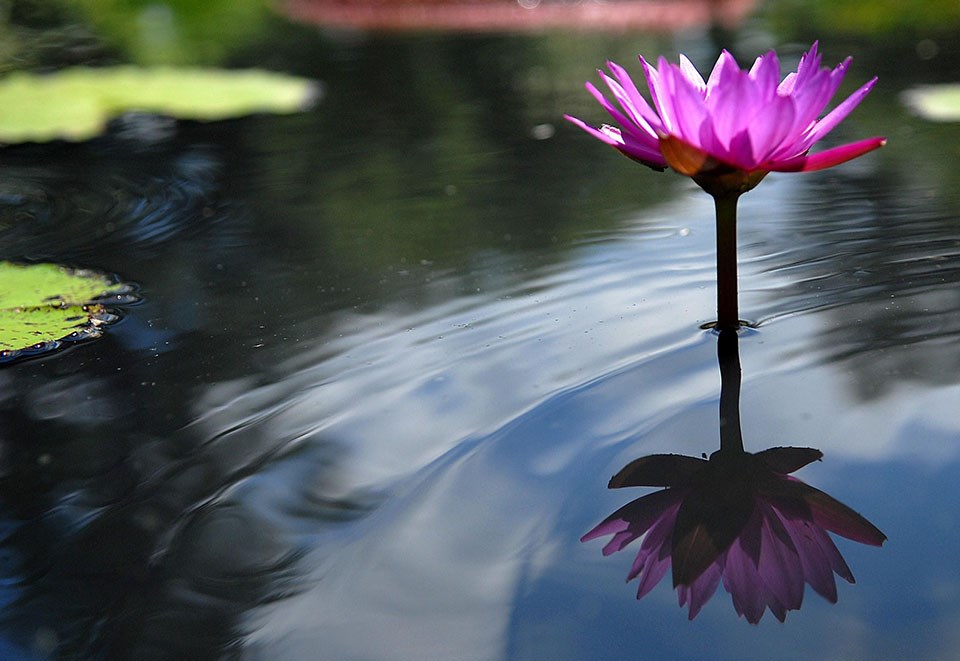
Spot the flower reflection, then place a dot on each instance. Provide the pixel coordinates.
(737, 518)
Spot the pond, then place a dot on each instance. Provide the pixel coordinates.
(387, 353)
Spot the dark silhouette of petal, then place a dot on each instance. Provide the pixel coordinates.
(658, 470)
(830, 514)
(787, 460)
(824, 510)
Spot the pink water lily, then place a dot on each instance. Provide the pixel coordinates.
(738, 519)
(745, 121)
(728, 132)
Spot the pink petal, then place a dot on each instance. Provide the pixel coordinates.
(809, 101)
(599, 135)
(829, 158)
(636, 99)
(641, 136)
(765, 72)
(725, 68)
(787, 84)
(624, 142)
(636, 118)
(690, 111)
(691, 74)
(659, 93)
(809, 65)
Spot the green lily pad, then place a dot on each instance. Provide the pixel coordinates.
(44, 305)
(938, 103)
(76, 104)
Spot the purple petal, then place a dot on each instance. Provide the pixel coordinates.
(654, 555)
(732, 106)
(691, 112)
(817, 568)
(780, 566)
(634, 519)
(702, 589)
(660, 93)
(838, 114)
(814, 95)
(655, 568)
(765, 72)
(623, 142)
(788, 83)
(742, 580)
(837, 563)
(642, 137)
(740, 152)
(770, 127)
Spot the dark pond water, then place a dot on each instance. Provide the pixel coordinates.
(389, 353)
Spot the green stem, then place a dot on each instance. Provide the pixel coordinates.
(727, 312)
(728, 355)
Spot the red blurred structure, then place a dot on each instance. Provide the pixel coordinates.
(518, 15)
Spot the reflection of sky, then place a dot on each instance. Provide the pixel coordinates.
(494, 422)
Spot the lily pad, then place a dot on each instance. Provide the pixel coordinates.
(76, 103)
(44, 305)
(938, 103)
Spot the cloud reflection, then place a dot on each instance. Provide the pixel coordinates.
(737, 518)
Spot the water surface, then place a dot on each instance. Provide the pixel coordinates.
(390, 351)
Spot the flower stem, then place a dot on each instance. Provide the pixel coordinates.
(728, 355)
(727, 312)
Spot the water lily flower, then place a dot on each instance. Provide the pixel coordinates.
(729, 131)
(737, 518)
(745, 121)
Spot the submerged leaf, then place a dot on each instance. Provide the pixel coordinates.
(42, 305)
(77, 103)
